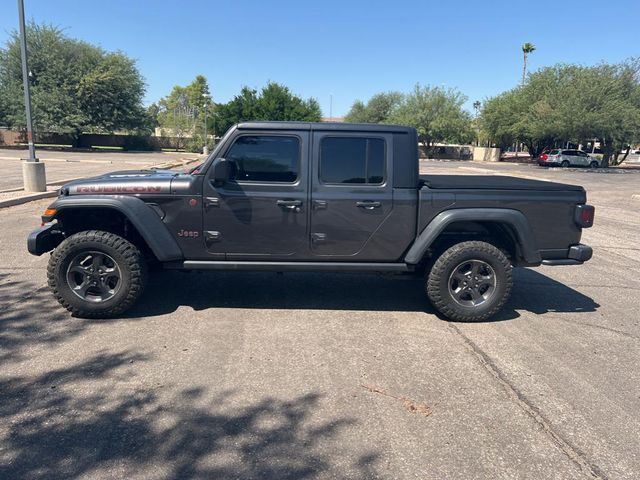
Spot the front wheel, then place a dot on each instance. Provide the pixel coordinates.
(470, 282)
(96, 274)
(594, 164)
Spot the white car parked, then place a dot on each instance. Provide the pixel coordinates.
(568, 158)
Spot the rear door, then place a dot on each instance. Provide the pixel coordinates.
(261, 213)
(572, 156)
(351, 192)
(582, 158)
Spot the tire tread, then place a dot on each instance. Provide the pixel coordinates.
(134, 262)
(437, 297)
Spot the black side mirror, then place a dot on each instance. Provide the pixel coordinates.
(222, 170)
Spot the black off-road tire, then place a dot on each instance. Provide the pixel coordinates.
(129, 259)
(439, 277)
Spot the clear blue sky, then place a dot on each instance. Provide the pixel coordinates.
(351, 49)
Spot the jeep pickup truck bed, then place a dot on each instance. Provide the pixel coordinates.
(309, 196)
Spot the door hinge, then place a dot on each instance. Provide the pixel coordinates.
(319, 204)
(211, 202)
(318, 237)
(212, 236)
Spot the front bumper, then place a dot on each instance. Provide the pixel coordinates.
(576, 255)
(43, 239)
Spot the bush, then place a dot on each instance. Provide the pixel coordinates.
(195, 144)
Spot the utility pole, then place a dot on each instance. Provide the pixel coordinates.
(33, 174)
(331, 107)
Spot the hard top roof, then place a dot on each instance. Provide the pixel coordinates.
(333, 126)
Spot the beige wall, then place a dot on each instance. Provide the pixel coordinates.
(486, 154)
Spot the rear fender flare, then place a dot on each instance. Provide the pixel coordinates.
(142, 217)
(513, 218)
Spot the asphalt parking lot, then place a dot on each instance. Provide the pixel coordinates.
(260, 375)
(64, 165)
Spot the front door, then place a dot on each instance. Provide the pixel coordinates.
(351, 193)
(261, 213)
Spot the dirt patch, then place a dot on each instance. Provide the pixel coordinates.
(409, 405)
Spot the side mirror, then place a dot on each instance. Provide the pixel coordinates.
(222, 170)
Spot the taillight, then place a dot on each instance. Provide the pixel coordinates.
(544, 157)
(584, 215)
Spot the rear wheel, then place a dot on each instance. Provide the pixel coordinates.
(470, 281)
(565, 164)
(96, 274)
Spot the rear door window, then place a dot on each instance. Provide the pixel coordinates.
(352, 160)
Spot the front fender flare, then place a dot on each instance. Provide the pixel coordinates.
(513, 218)
(141, 216)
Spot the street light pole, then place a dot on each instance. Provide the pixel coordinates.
(331, 107)
(33, 173)
(205, 149)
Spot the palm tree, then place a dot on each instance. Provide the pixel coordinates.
(527, 48)
(476, 106)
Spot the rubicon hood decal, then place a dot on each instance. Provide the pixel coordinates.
(120, 189)
(132, 182)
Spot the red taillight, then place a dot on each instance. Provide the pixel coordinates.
(544, 157)
(584, 215)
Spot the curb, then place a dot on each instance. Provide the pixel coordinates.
(28, 198)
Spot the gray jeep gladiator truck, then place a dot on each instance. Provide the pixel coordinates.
(290, 196)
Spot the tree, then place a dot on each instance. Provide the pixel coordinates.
(181, 113)
(274, 102)
(476, 107)
(377, 110)
(527, 48)
(569, 103)
(75, 87)
(437, 114)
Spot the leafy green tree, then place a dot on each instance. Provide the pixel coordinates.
(274, 102)
(242, 107)
(75, 87)
(377, 110)
(437, 114)
(569, 103)
(181, 113)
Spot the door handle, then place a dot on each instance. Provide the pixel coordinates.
(367, 205)
(290, 204)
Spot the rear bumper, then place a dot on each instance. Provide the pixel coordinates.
(576, 255)
(43, 239)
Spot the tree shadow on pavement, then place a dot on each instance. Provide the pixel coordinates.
(29, 315)
(168, 290)
(92, 419)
